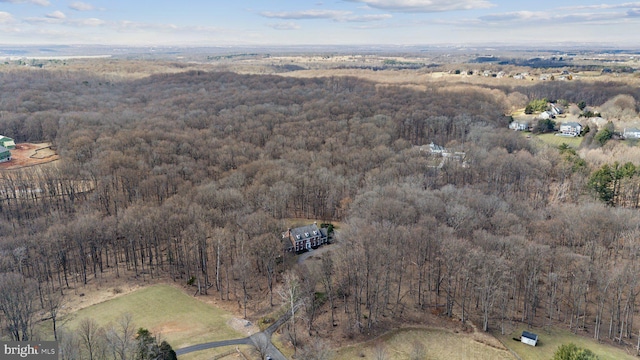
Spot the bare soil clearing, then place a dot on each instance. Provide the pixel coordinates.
(28, 154)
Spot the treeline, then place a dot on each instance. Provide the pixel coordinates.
(191, 176)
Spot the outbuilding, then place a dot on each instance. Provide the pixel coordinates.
(7, 142)
(5, 154)
(529, 338)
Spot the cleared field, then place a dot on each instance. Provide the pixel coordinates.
(550, 340)
(177, 317)
(27, 154)
(555, 141)
(437, 345)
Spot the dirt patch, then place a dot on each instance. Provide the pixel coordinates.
(243, 326)
(28, 154)
(95, 292)
(169, 328)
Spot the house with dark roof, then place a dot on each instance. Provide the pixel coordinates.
(5, 154)
(304, 238)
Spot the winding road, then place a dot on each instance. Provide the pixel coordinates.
(263, 337)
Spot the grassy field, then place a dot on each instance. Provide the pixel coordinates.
(550, 340)
(179, 318)
(555, 141)
(437, 344)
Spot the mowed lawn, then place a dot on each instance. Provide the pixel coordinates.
(437, 344)
(549, 341)
(555, 141)
(177, 317)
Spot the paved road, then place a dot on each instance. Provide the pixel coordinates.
(214, 344)
(317, 253)
(256, 339)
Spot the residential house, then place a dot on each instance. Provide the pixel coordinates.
(5, 154)
(437, 149)
(631, 133)
(555, 109)
(570, 129)
(7, 142)
(546, 115)
(529, 338)
(519, 125)
(304, 238)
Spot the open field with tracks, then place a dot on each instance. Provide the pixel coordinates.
(27, 154)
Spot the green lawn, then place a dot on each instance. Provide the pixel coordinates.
(550, 340)
(437, 344)
(555, 141)
(179, 318)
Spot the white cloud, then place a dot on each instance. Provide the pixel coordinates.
(90, 22)
(426, 5)
(306, 14)
(57, 15)
(81, 6)
(284, 26)
(335, 15)
(35, 2)
(629, 5)
(5, 17)
(368, 18)
(53, 20)
(556, 17)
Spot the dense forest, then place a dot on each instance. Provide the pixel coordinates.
(191, 176)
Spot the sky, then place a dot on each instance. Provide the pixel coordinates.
(320, 22)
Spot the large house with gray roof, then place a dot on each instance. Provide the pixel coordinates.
(304, 238)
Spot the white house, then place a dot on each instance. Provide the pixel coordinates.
(570, 129)
(631, 133)
(518, 125)
(437, 149)
(529, 338)
(546, 115)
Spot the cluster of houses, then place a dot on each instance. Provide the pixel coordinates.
(6, 144)
(571, 128)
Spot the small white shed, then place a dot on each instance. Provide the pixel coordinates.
(529, 338)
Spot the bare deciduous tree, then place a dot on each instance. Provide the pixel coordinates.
(17, 294)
